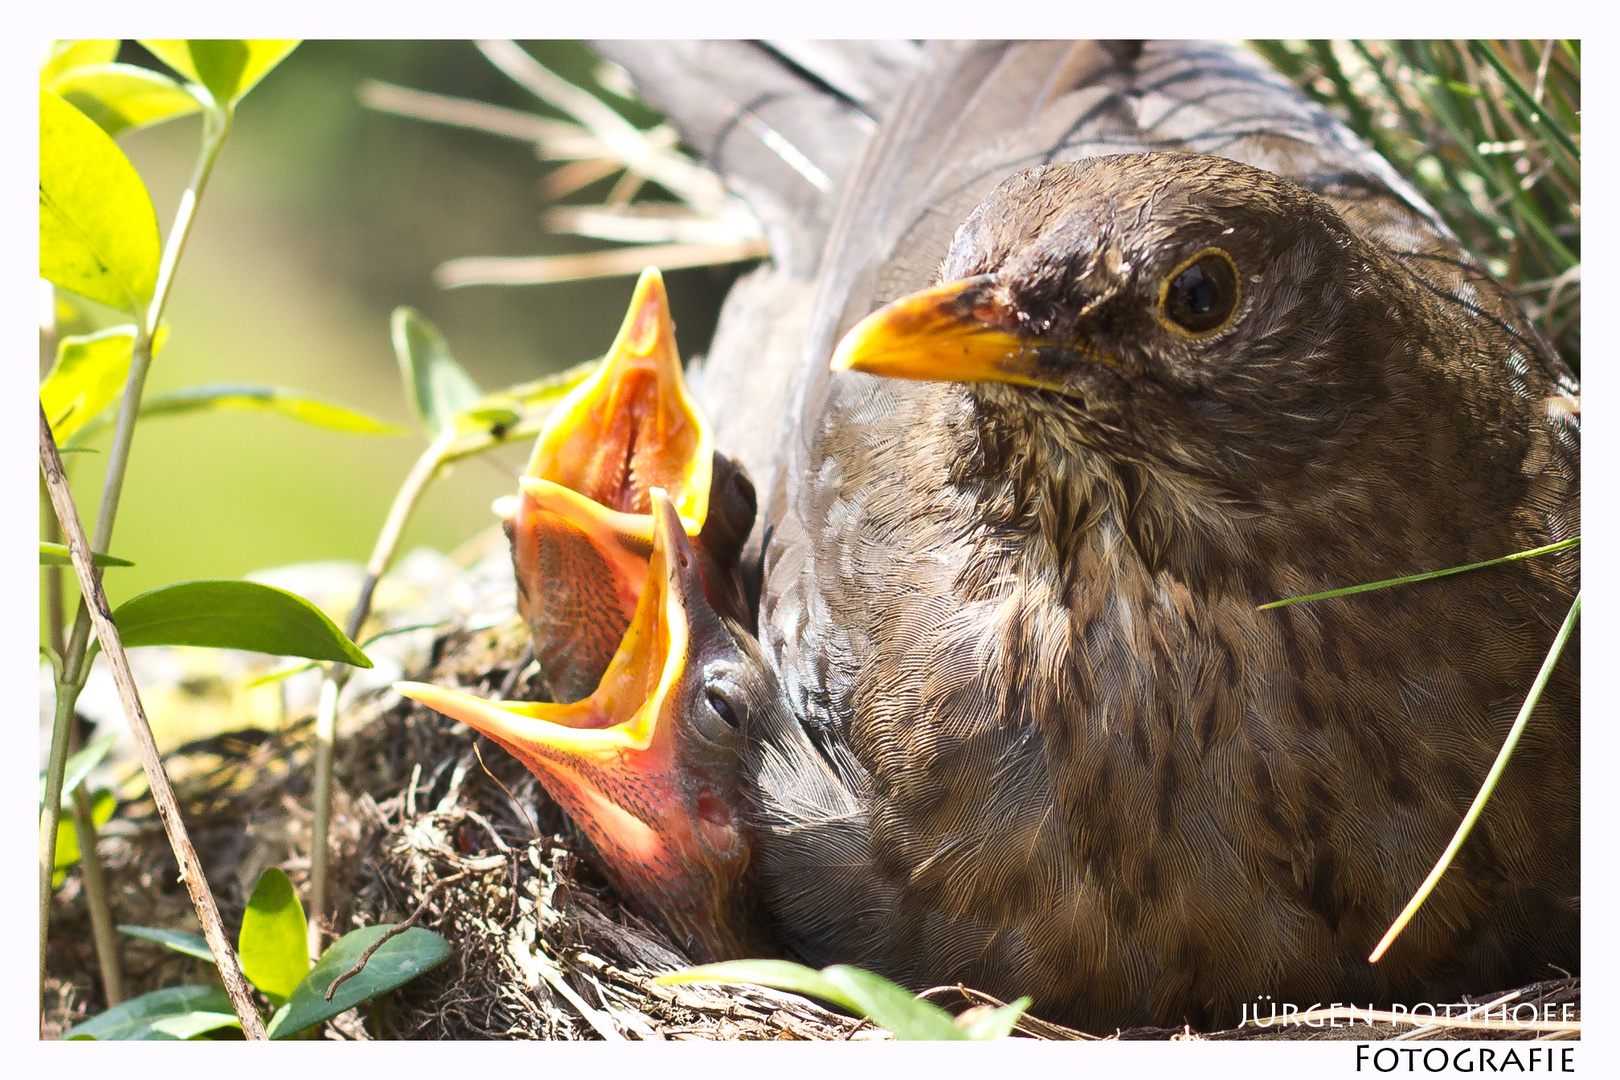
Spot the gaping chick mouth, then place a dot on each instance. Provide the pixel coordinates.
(668, 830)
(632, 426)
(582, 526)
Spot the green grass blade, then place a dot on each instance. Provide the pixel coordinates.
(58, 555)
(1522, 96)
(1430, 575)
(1487, 787)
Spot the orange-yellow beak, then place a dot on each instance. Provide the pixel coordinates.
(956, 332)
(632, 426)
(581, 527)
(665, 813)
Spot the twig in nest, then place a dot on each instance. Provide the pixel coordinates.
(391, 933)
(526, 818)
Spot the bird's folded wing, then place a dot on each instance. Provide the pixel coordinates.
(783, 125)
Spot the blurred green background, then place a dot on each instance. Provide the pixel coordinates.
(321, 217)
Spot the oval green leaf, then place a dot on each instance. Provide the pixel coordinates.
(231, 614)
(139, 1018)
(396, 962)
(194, 945)
(79, 765)
(89, 374)
(273, 942)
(861, 992)
(58, 555)
(119, 97)
(64, 56)
(228, 68)
(98, 233)
(437, 386)
(194, 1025)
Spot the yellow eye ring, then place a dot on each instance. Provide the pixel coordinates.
(1200, 297)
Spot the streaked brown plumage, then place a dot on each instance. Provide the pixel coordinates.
(1021, 622)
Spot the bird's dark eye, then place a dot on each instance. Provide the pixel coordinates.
(1201, 295)
(722, 708)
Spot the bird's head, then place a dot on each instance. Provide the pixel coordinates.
(1168, 309)
(650, 765)
(1201, 343)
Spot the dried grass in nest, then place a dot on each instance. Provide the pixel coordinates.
(543, 947)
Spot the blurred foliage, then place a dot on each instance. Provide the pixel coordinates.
(322, 217)
(1489, 132)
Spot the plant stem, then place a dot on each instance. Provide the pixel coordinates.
(49, 818)
(56, 624)
(91, 872)
(191, 871)
(217, 121)
(337, 676)
(96, 896)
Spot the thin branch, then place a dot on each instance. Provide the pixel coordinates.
(191, 871)
(690, 181)
(462, 112)
(76, 658)
(391, 933)
(537, 269)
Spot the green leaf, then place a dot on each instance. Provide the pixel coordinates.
(89, 375)
(297, 669)
(98, 233)
(231, 614)
(996, 1023)
(79, 766)
(862, 992)
(395, 963)
(273, 943)
(437, 386)
(58, 555)
(119, 97)
(273, 399)
(194, 945)
(228, 68)
(194, 1024)
(103, 804)
(147, 1016)
(64, 56)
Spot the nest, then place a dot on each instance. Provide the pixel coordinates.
(435, 823)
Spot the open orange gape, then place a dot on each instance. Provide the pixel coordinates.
(582, 526)
(648, 770)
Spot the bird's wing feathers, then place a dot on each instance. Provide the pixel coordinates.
(783, 125)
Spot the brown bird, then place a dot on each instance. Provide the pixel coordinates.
(582, 527)
(1191, 349)
(1210, 354)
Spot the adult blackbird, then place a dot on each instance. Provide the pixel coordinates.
(1191, 349)
(1203, 351)
(581, 528)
